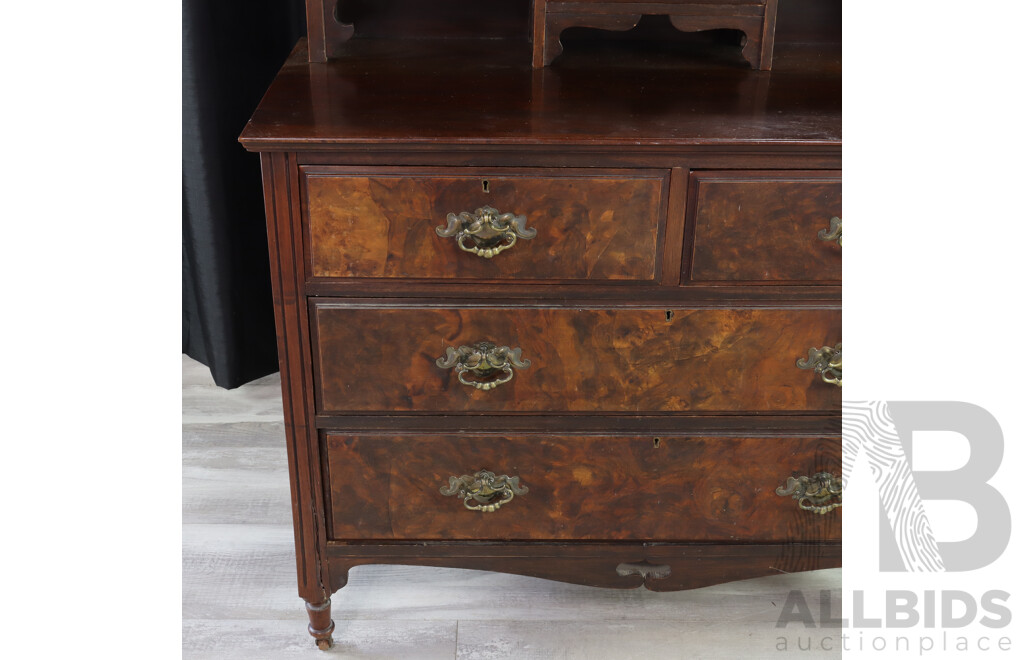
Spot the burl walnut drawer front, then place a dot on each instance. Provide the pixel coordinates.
(576, 487)
(431, 359)
(485, 224)
(771, 227)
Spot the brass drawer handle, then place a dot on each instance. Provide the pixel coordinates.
(834, 232)
(483, 360)
(488, 231)
(819, 494)
(484, 491)
(826, 361)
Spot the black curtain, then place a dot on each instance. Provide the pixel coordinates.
(231, 50)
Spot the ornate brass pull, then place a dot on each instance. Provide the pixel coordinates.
(488, 231)
(484, 491)
(483, 360)
(834, 232)
(818, 494)
(826, 361)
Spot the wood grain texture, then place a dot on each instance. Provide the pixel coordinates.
(284, 237)
(615, 342)
(469, 93)
(464, 594)
(693, 296)
(235, 472)
(751, 226)
(321, 626)
(596, 565)
(583, 488)
(326, 33)
(590, 225)
(609, 360)
(680, 424)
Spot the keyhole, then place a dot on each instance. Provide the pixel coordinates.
(486, 186)
(669, 314)
(657, 442)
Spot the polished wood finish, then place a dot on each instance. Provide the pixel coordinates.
(583, 360)
(755, 18)
(681, 424)
(476, 96)
(321, 626)
(691, 565)
(324, 30)
(664, 488)
(330, 23)
(591, 224)
(762, 226)
(627, 343)
(279, 188)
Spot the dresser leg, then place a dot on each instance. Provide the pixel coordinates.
(320, 624)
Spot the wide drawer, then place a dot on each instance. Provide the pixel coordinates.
(764, 226)
(387, 223)
(669, 488)
(627, 359)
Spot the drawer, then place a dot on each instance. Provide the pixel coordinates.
(763, 227)
(670, 488)
(576, 224)
(628, 359)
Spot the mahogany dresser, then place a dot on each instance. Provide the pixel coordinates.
(580, 322)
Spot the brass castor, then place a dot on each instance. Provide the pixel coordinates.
(324, 644)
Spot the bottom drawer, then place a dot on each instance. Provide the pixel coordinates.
(573, 487)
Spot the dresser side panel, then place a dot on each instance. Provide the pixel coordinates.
(279, 181)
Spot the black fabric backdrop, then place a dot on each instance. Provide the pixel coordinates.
(231, 50)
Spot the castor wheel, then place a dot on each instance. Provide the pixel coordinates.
(324, 644)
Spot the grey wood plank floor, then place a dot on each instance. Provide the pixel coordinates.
(239, 597)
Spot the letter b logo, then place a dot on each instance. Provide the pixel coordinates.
(883, 430)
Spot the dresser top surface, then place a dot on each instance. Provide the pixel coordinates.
(484, 92)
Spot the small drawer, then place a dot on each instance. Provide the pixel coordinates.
(473, 224)
(408, 358)
(765, 227)
(566, 487)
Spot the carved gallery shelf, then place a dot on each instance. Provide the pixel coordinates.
(549, 18)
(755, 18)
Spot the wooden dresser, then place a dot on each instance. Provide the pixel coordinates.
(548, 321)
